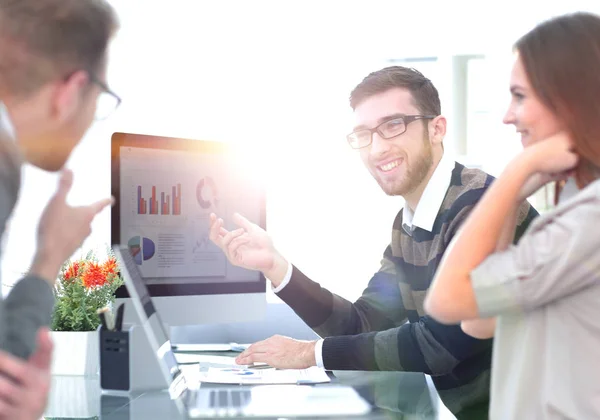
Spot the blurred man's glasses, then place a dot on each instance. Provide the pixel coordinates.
(108, 101)
(386, 130)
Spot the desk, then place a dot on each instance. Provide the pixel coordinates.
(395, 395)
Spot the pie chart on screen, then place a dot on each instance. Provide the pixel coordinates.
(141, 248)
(207, 194)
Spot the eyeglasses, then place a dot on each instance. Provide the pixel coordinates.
(386, 130)
(107, 102)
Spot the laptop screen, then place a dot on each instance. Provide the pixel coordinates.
(151, 322)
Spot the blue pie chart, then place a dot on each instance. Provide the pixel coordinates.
(141, 248)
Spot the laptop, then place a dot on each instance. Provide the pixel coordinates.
(197, 401)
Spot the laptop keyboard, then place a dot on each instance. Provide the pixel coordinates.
(229, 398)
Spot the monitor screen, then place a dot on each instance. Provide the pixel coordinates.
(165, 190)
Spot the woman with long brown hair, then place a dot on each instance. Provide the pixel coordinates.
(541, 297)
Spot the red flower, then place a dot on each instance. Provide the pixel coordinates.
(94, 275)
(72, 271)
(110, 267)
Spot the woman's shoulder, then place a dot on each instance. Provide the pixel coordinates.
(581, 206)
(588, 194)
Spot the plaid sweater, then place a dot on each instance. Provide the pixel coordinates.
(372, 333)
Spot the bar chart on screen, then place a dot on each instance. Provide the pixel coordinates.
(170, 201)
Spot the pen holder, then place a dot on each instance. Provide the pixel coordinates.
(127, 362)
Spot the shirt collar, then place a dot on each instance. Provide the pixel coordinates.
(569, 190)
(429, 205)
(5, 122)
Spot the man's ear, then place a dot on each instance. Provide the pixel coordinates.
(68, 95)
(437, 130)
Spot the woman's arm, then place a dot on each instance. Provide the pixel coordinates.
(451, 298)
(481, 328)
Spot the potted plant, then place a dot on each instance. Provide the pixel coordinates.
(83, 286)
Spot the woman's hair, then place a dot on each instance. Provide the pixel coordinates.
(562, 60)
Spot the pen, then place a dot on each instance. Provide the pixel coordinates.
(265, 366)
(110, 320)
(102, 315)
(119, 320)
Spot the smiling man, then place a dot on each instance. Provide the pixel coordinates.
(399, 134)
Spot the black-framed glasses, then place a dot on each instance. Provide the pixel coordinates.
(107, 102)
(387, 130)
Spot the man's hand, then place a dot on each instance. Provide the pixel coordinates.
(24, 385)
(62, 229)
(280, 352)
(249, 247)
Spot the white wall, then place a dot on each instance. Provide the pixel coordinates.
(275, 76)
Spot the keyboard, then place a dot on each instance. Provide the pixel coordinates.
(229, 398)
(212, 403)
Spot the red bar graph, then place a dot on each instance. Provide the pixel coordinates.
(164, 204)
(153, 202)
(177, 199)
(166, 201)
(141, 209)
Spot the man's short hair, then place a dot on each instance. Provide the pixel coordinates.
(425, 95)
(46, 40)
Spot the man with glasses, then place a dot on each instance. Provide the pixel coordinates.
(398, 133)
(107, 101)
(53, 58)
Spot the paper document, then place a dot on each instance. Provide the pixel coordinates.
(210, 360)
(312, 375)
(210, 347)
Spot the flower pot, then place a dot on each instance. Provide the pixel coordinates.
(75, 353)
(74, 397)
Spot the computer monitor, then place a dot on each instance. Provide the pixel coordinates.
(165, 189)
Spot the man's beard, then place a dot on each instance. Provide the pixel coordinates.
(414, 174)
